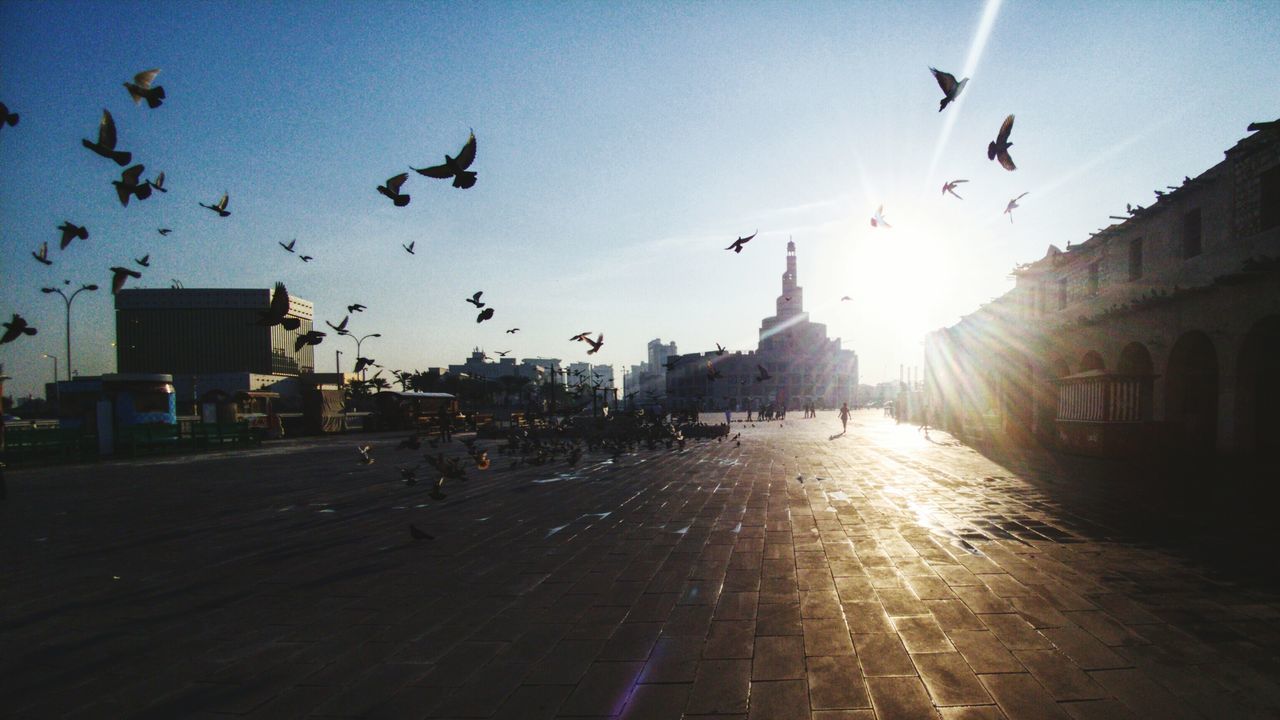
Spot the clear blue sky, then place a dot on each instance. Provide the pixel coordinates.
(621, 148)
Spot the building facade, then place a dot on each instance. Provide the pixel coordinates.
(1159, 333)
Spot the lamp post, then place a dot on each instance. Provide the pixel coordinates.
(67, 300)
(54, 358)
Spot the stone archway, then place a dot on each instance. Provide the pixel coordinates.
(1257, 410)
(1135, 360)
(1191, 393)
(1092, 360)
(1046, 405)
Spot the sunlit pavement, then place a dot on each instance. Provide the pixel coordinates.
(903, 578)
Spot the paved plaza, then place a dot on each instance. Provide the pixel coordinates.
(795, 574)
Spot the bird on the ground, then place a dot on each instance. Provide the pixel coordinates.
(362, 363)
(581, 337)
(306, 258)
(503, 353)
(15, 328)
(763, 374)
(42, 254)
(595, 345)
(409, 475)
(736, 245)
(392, 189)
(365, 458)
(999, 148)
(132, 184)
(513, 331)
(144, 261)
(106, 145)
(310, 337)
(877, 220)
(340, 328)
(289, 245)
(485, 314)
(140, 89)
(219, 207)
(455, 167)
(950, 88)
(417, 534)
(437, 489)
(276, 312)
(950, 187)
(6, 117)
(719, 349)
(164, 231)
(409, 248)
(158, 183)
(475, 299)
(1008, 209)
(846, 298)
(119, 275)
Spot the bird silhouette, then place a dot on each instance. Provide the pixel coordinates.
(513, 331)
(503, 353)
(719, 350)
(132, 184)
(6, 117)
(485, 314)
(409, 248)
(140, 89)
(595, 345)
(355, 307)
(877, 220)
(455, 167)
(164, 231)
(119, 275)
(392, 189)
(950, 187)
(144, 261)
(736, 245)
(310, 337)
(417, 534)
(475, 299)
(365, 458)
(106, 145)
(42, 254)
(1008, 209)
(999, 148)
(15, 328)
(289, 245)
(219, 207)
(362, 363)
(306, 258)
(950, 88)
(340, 328)
(581, 337)
(409, 476)
(276, 312)
(762, 374)
(158, 183)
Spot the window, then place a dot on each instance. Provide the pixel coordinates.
(1135, 258)
(1270, 201)
(1062, 293)
(1191, 234)
(1093, 277)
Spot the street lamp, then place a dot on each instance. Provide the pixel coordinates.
(54, 358)
(67, 300)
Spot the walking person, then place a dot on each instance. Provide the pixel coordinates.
(445, 419)
(844, 418)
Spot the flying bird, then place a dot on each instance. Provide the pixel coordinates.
(106, 145)
(417, 534)
(289, 245)
(356, 307)
(14, 328)
(950, 187)
(158, 183)
(719, 349)
(409, 248)
(276, 312)
(950, 88)
(513, 331)
(763, 374)
(164, 231)
(362, 363)
(581, 337)
(1008, 210)
(503, 353)
(42, 254)
(132, 184)
(306, 258)
(999, 148)
(475, 299)
(144, 261)
(455, 167)
(485, 314)
(392, 189)
(340, 328)
(310, 337)
(119, 275)
(219, 207)
(365, 458)
(736, 245)
(595, 345)
(140, 89)
(6, 117)
(877, 220)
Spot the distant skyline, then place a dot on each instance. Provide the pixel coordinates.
(621, 147)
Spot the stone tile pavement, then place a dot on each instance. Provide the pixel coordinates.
(796, 575)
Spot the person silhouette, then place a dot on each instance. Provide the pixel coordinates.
(844, 418)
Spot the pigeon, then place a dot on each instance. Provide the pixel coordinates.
(276, 312)
(513, 331)
(485, 314)
(595, 346)
(455, 167)
(417, 534)
(14, 328)
(119, 276)
(164, 231)
(306, 258)
(503, 353)
(6, 117)
(158, 183)
(950, 88)
(289, 245)
(736, 245)
(999, 148)
(846, 298)
(762, 375)
(42, 254)
(409, 476)
(340, 328)
(392, 189)
(362, 363)
(356, 307)
(409, 248)
(436, 493)
(106, 145)
(950, 187)
(132, 184)
(719, 350)
(581, 337)
(144, 261)
(365, 459)
(1008, 210)
(140, 89)
(310, 337)
(877, 220)
(475, 299)
(219, 207)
